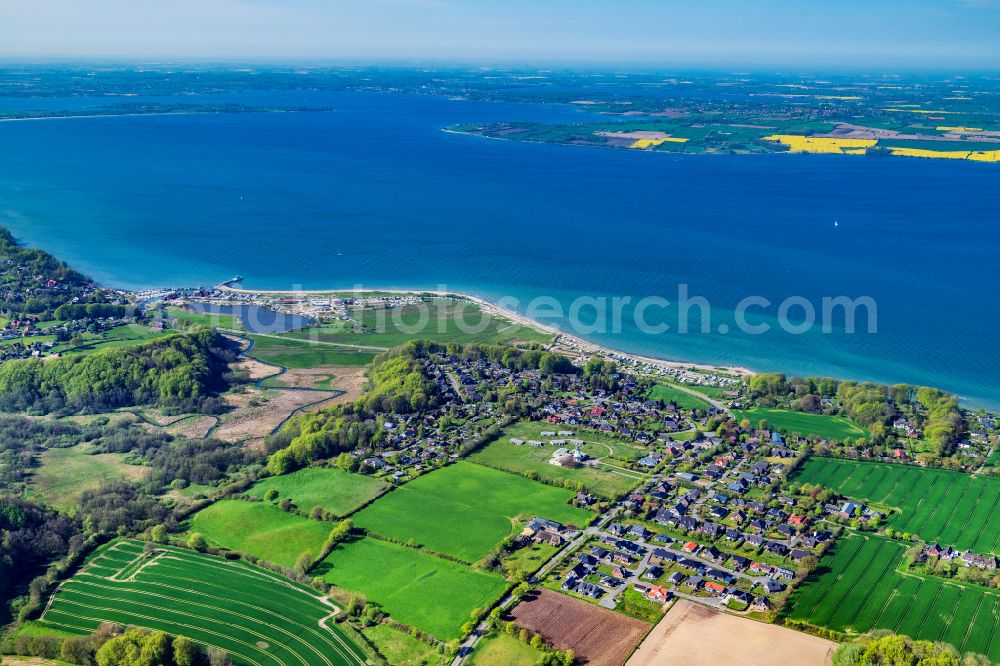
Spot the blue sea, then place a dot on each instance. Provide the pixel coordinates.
(375, 194)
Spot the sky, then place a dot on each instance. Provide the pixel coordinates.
(732, 33)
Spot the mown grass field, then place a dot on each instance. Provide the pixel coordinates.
(231, 322)
(503, 650)
(607, 480)
(821, 425)
(464, 510)
(257, 617)
(260, 529)
(293, 353)
(710, 391)
(938, 505)
(430, 593)
(682, 399)
(403, 649)
(64, 474)
(334, 490)
(857, 588)
(443, 321)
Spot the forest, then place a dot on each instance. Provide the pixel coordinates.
(178, 372)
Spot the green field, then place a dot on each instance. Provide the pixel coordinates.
(682, 399)
(334, 490)
(503, 650)
(260, 529)
(402, 649)
(292, 353)
(857, 588)
(464, 510)
(120, 336)
(64, 474)
(710, 391)
(938, 505)
(441, 321)
(607, 479)
(232, 322)
(821, 425)
(258, 617)
(430, 593)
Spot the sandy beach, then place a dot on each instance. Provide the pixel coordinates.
(563, 339)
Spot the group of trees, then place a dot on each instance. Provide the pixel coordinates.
(111, 645)
(180, 371)
(22, 439)
(872, 405)
(398, 384)
(885, 648)
(30, 537)
(322, 434)
(74, 311)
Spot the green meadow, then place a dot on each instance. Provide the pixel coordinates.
(465, 510)
(259, 618)
(232, 322)
(682, 399)
(64, 474)
(502, 650)
(399, 647)
(295, 353)
(334, 490)
(430, 593)
(821, 425)
(608, 479)
(260, 529)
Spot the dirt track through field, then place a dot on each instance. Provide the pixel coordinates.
(692, 634)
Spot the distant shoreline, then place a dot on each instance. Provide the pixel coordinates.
(583, 345)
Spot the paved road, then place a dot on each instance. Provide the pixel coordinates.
(609, 599)
(465, 649)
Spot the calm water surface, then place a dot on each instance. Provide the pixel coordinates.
(375, 194)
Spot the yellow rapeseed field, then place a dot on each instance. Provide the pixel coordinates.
(985, 156)
(938, 154)
(808, 144)
(649, 143)
(974, 155)
(959, 130)
(918, 110)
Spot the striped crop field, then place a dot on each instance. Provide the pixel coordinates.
(938, 505)
(858, 587)
(258, 617)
